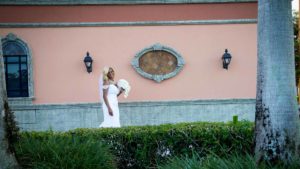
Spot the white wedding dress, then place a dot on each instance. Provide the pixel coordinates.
(110, 121)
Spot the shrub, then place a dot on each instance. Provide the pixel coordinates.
(185, 162)
(147, 146)
(11, 127)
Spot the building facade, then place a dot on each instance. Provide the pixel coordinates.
(169, 50)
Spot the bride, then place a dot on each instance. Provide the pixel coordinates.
(109, 93)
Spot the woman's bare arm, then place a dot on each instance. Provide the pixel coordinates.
(121, 91)
(105, 92)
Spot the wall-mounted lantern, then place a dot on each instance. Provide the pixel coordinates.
(226, 59)
(88, 61)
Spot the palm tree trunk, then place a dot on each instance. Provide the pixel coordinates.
(7, 159)
(276, 119)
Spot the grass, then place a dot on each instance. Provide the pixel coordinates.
(64, 152)
(234, 161)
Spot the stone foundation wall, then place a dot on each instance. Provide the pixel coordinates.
(63, 117)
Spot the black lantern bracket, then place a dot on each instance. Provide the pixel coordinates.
(226, 59)
(88, 61)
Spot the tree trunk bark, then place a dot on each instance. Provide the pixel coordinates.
(276, 119)
(7, 159)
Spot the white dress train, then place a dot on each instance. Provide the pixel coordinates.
(112, 97)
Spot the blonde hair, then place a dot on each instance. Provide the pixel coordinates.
(105, 72)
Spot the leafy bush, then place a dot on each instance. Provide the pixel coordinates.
(147, 146)
(11, 127)
(143, 147)
(185, 162)
(59, 151)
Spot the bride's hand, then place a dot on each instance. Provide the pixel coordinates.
(110, 112)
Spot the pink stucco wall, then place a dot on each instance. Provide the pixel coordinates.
(60, 75)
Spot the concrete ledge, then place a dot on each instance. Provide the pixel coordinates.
(20, 101)
(62, 117)
(142, 23)
(113, 2)
(133, 104)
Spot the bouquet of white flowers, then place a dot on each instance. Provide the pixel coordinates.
(122, 83)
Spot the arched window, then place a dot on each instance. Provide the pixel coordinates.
(17, 67)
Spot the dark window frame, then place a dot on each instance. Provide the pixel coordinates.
(22, 90)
